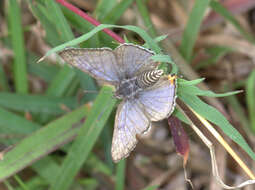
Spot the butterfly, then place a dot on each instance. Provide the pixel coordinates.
(147, 94)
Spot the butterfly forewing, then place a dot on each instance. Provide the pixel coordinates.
(134, 59)
(100, 63)
(130, 121)
(151, 102)
(158, 101)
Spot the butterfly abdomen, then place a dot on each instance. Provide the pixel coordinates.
(149, 78)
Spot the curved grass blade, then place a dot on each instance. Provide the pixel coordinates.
(85, 37)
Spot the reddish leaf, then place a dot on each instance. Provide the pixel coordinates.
(180, 137)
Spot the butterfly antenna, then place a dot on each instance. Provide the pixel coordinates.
(93, 91)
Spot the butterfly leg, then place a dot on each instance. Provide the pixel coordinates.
(172, 78)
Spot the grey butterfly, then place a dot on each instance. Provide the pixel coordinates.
(147, 95)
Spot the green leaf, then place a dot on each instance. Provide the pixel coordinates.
(193, 90)
(86, 139)
(157, 39)
(214, 116)
(35, 103)
(192, 28)
(41, 142)
(120, 175)
(239, 110)
(20, 70)
(183, 82)
(250, 98)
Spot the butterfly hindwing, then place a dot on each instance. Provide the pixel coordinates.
(158, 101)
(130, 121)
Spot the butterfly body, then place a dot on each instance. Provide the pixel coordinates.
(127, 89)
(130, 87)
(147, 94)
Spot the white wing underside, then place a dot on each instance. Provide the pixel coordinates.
(134, 117)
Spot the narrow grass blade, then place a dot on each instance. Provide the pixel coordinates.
(61, 82)
(3, 82)
(44, 70)
(250, 95)
(141, 5)
(20, 182)
(217, 7)
(41, 142)
(83, 26)
(120, 175)
(157, 39)
(103, 8)
(35, 183)
(58, 31)
(47, 168)
(85, 37)
(36, 103)
(214, 116)
(192, 28)
(86, 139)
(20, 70)
(57, 17)
(12, 123)
(193, 90)
(8, 185)
(183, 82)
(154, 187)
(117, 11)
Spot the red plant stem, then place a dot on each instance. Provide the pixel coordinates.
(89, 19)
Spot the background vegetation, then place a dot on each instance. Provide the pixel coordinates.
(55, 136)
